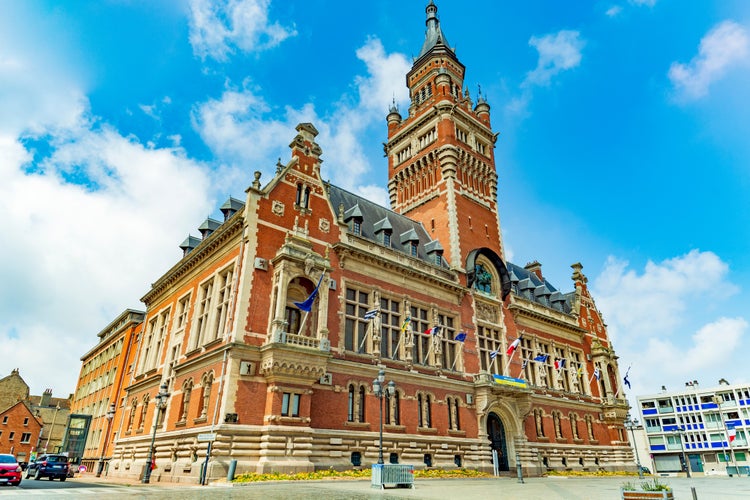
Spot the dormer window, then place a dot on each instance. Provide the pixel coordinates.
(410, 242)
(354, 218)
(434, 252)
(383, 230)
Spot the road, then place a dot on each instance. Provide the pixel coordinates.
(553, 488)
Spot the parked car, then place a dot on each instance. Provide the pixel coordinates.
(10, 471)
(51, 466)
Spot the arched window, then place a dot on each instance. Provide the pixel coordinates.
(144, 409)
(362, 403)
(392, 409)
(187, 389)
(131, 417)
(356, 407)
(206, 382)
(453, 409)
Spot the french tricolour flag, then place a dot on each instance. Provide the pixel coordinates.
(513, 346)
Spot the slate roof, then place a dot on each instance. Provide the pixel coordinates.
(374, 217)
(529, 286)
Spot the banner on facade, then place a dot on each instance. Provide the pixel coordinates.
(514, 382)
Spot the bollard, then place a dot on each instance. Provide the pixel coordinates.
(519, 469)
(695, 496)
(232, 469)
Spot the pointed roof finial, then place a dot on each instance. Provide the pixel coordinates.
(434, 35)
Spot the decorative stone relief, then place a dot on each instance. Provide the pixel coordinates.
(324, 225)
(277, 208)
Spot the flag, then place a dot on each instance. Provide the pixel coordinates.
(493, 354)
(460, 337)
(580, 370)
(406, 324)
(513, 346)
(559, 364)
(525, 362)
(731, 432)
(371, 314)
(541, 358)
(433, 330)
(308, 303)
(627, 382)
(597, 374)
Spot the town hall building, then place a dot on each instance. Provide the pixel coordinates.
(269, 331)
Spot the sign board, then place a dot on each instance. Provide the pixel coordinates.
(207, 436)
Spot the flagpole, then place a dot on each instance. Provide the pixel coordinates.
(367, 333)
(455, 358)
(302, 324)
(507, 368)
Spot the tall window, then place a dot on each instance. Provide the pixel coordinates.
(131, 416)
(206, 382)
(562, 373)
(449, 346)
(392, 409)
(357, 304)
(539, 422)
(293, 318)
(489, 341)
(544, 369)
(424, 410)
(290, 404)
(453, 411)
(356, 411)
(204, 308)
(223, 295)
(390, 327)
(420, 324)
(159, 337)
(527, 356)
(187, 389)
(303, 196)
(144, 410)
(181, 314)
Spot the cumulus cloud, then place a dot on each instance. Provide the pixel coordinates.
(649, 317)
(77, 196)
(557, 52)
(242, 129)
(724, 47)
(218, 29)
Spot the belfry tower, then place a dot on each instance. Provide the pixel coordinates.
(441, 166)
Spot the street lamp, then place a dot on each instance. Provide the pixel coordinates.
(380, 392)
(160, 401)
(631, 424)
(681, 431)
(110, 415)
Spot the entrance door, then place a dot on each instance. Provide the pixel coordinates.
(496, 434)
(695, 463)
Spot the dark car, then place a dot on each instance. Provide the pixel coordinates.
(51, 466)
(10, 471)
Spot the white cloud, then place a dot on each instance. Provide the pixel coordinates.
(650, 320)
(647, 3)
(242, 129)
(614, 11)
(217, 29)
(557, 52)
(725, 46)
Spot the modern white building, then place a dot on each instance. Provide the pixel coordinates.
(694, 425)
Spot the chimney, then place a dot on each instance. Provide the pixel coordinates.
(536, 268)
(46, 398)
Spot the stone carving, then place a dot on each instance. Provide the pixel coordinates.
(324, 225)
(277, 208)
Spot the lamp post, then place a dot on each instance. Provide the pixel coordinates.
(380, 392)
(631, 424)
(51, 428)
(160, 401)
(681, 431)
(109, 415)
(718, 401)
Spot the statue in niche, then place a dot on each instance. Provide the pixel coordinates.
(482, 279)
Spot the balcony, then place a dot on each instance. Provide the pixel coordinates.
(666, 409)
(282, 337)
(650, 428)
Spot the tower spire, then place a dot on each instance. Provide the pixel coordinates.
(434, 35)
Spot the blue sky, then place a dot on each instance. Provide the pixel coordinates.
(623, 144)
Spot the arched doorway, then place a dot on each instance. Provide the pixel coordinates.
(496, 434)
